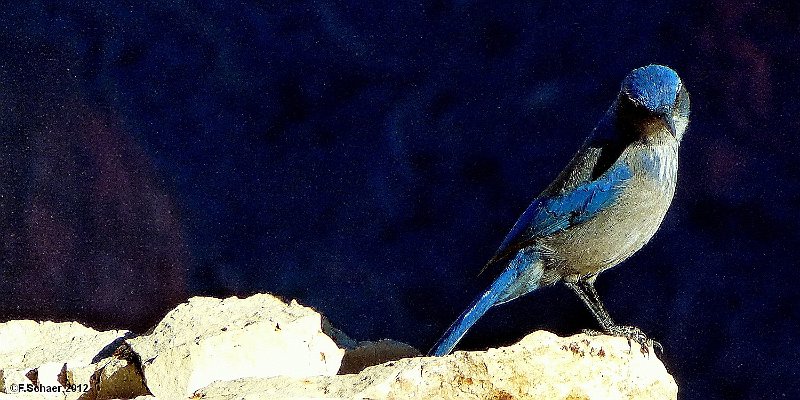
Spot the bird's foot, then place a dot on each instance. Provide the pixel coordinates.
(631, 333)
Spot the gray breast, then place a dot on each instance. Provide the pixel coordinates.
(622, 229)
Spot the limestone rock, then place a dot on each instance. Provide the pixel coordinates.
(47, 353)
(21, 396)
(261, 347)
(116, 377)
(359, 355)
(367, 354)
(340, 338)
(209, 339)
(541, 366)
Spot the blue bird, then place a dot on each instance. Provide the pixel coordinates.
(603, 207)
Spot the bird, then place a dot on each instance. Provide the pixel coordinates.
(603, 207)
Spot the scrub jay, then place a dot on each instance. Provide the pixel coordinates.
(603, 207)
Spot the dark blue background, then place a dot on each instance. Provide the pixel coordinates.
(367, 161)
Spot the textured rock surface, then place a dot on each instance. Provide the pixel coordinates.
(367, 354)
(112, 378)
(210, 339)
(261, 347)
(49, 353)
(359, 355)
(541, 366)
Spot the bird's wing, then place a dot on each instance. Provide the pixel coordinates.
(548, 215)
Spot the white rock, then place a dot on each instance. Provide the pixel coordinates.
(208, 339)
(109, 378)
(367, 354)
(48, 352)
(541, 366)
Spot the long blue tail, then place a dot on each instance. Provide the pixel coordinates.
(515, 281)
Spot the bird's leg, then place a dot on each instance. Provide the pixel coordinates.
(589, 297)
(586, 291)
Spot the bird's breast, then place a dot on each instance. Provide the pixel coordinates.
(624, 227)
(657, 164)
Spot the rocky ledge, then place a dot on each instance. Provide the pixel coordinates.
(263, 348)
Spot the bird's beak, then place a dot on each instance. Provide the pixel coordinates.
(670, 122)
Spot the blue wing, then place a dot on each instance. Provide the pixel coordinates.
(549, 215)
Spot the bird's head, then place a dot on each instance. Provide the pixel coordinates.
(656, 91)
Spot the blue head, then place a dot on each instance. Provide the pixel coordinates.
(658, 91)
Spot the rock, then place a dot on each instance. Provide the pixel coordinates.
(359, 355)
(367, 354)
(119, 376)
(541, 366)
(340, 338)
(261, 347)
(48, 353)
(21, 396)
(209, 339)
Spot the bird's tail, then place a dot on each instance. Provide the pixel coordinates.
(513, 282)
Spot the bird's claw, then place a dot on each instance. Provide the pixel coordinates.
(631, 333)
